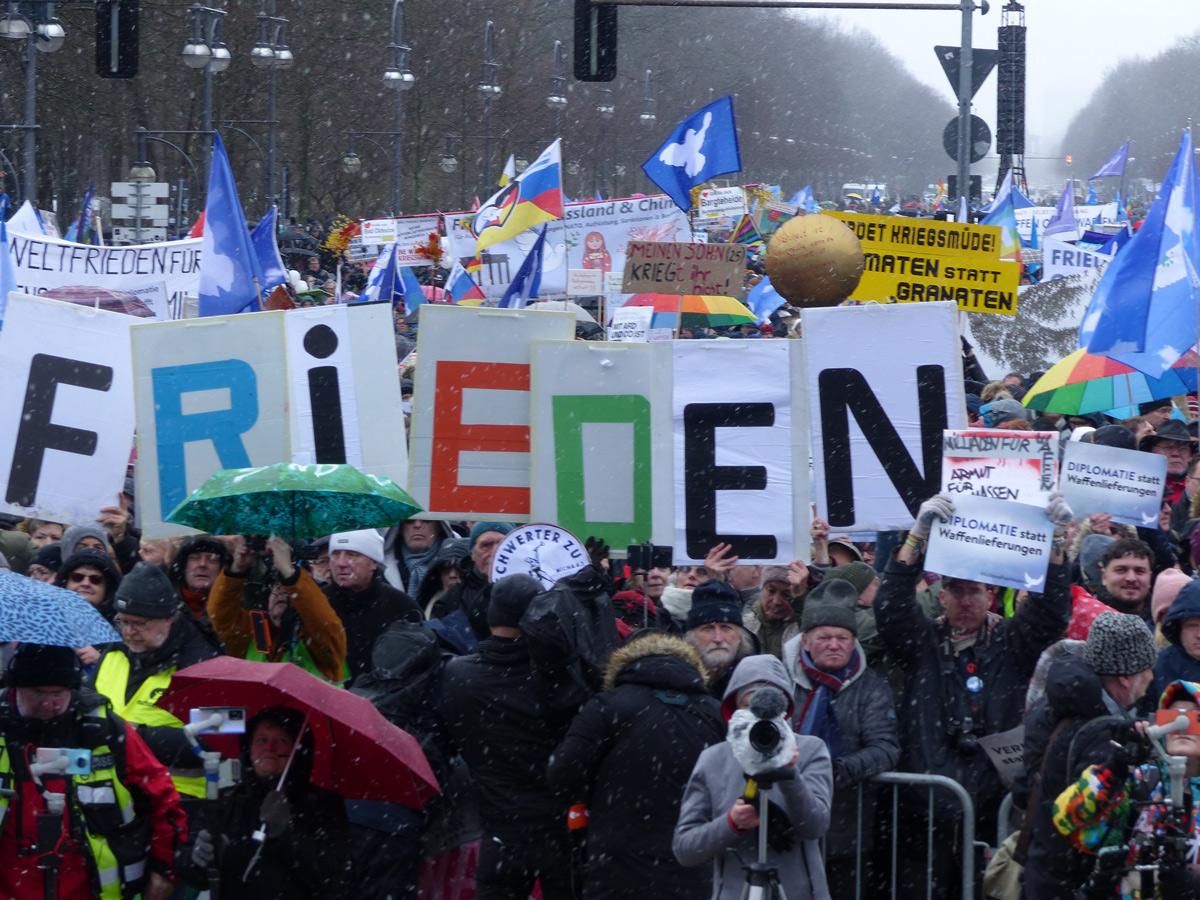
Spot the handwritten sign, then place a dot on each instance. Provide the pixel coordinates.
(630, 324)
(585, 282)
(1003, 465)
(993, 541)
(661, 268)
(1126, 484)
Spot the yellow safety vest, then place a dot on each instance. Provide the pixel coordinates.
(97, 793)
(142, 709)
(298, 655)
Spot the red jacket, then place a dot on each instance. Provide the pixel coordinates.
(145, 778)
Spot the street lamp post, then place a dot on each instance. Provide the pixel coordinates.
(490, 88)
(400, 78)
(271, 52)
(205, 50)
(606, 108)
(648, 116)
(556, 99)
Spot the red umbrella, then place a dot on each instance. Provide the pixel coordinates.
(357, 753)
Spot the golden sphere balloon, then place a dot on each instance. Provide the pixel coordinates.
(814, 261)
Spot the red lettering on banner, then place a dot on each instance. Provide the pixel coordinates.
(452, 437)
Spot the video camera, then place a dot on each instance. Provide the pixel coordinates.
(761, 737)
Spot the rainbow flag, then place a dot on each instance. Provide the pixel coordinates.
(533, 197)
(745, 232)
(461, 286)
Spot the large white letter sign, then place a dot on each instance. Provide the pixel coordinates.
(345, 390)
(885, 381)
(470, 424)
(66, 408)
(601, 440)
(735, 450)
(211, 394)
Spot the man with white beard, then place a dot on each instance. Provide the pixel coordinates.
(714, 628)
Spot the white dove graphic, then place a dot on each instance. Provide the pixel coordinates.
(687, 153)
(1033, 582)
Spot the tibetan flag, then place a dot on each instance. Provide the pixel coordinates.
(535, 196)
(461, 286)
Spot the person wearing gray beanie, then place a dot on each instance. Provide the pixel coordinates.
(1120, 645)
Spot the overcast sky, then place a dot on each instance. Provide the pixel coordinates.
(1070, 44)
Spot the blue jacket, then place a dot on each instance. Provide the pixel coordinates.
(1173, 662)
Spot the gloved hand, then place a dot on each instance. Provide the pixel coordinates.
(204, 851)
(597, 549)
(276, 813)
(939, 508)
(1132, 749)
(1058, 512)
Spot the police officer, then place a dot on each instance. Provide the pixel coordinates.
(159, 640)
(110, 825)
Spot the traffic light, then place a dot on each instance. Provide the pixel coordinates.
(1068, 159)
(117, 38)
(595, 41)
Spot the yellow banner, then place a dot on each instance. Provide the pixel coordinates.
(900, 234)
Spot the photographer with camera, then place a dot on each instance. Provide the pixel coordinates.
(1117, 813)
(719, 820)
(965, 676)
(298, 624)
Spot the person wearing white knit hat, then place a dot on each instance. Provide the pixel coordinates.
(364, 602)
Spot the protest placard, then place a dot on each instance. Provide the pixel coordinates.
(631, 323)
(993, 541)
(470, 448)
(886, 381)
(1005, 465)
(66, 408)
(376, 232)
(1006, 750)
(585, 282)
(1126, 484)
(500, 263)
(669, 268)
(740, 438)
(601, 439)
(413, 232)
(718, 203)
(107, 275)
(1062, 260)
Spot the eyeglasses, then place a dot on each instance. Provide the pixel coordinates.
(81, 577)
(129, 624)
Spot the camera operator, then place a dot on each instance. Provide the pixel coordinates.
(1126, 797)
(716, 823)
(298, 624)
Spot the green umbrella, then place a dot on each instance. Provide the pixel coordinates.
(294, 500)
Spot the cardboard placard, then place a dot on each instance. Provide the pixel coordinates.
(1021, 466)
(66, 408)
(662, 268)
(1126, 484)
(993, 541)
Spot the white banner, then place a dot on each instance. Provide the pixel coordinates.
(1085, 217)
(501, 262)
(470, 444)
(1061, 259)
(413, 232)
(885, 382)
(738, 441)
(140, 272)
(345, 391)
(993, 541)
(66, 409)
(601, 440)
(1126, 484)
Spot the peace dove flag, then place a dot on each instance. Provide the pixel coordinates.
(701, 147)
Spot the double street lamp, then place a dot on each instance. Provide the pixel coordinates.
(205, 51)
(489, 89)
(271, 53)
(399, 77)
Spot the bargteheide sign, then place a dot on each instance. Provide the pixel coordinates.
(653, 267)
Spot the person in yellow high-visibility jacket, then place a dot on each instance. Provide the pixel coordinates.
(158, 641)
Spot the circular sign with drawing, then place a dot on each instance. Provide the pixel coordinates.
(546, 552)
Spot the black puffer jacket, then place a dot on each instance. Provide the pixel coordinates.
(572, 632)
(472, 595)
(366, 615)
(1073, 700)
(501, 727)
(629, 753)
(1003, 658)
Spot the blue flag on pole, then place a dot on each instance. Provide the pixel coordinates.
(1092, 199)
(381, 282)
(529, 277)
(763, 300)
(702, 146)
(1143, 312)
(1115, 165)
(1063, 220)
(231, 277)
(8, 274)
(265, 246)
(410, 285)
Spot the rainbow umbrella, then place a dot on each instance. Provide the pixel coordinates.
(1086, 383)
(699, 310)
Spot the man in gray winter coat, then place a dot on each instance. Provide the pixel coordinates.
(716, 825)
(849, 707)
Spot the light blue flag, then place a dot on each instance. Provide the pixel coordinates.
(1034, 242)
(1020, 201)
(8, 273)
(1116, 242)
(1063, 220)
(763, 300)
(702, 146)
(1143, 312)
(414, 293)
(1092, 199)
(806, 201)
(265, 246)
(231, 278)
(529, 277)
(876, 197)
(381, 282)
(78, 228)
(1115, 165)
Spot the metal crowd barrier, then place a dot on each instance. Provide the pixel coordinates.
(900, 780)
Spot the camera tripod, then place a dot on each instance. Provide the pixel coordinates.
(762, 879)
